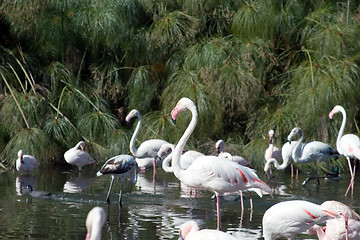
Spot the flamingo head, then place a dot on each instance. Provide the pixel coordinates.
(82, 145)
(181, 106)
(220, 145)
(336, 109)
(132, 114)
(20, 155)
(186, 228)
(293, 132)
(271, 136)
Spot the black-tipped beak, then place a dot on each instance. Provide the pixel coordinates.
(174, 121)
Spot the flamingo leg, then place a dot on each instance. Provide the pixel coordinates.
(242, 201)
(111, 185)
(317, 173)
(218, 211)
(292, 170)
(352, 176)
(120, 195)
(251, 203)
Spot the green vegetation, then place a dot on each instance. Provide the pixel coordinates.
(72, 70)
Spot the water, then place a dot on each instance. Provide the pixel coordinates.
(146, 214)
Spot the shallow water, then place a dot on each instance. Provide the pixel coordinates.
(147, 213)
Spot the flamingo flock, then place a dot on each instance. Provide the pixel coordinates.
(227, 174)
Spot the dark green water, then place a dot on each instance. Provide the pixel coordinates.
(146, 214)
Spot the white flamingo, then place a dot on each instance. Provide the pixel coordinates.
(26, 163)
(212, 173)
(347, 145)
(148, 148)
(79, 157)
(220, 146)
(120, 165)
(95, 220)
(314, 151)
(272, 152)
(191, 231)
(286, 219)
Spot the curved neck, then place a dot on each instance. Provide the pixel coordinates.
(181, 144)
(166, 162)
(276, 164)
(341, 131)
(133, 150)
(295, 157)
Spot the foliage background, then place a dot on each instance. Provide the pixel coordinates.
(72, 70)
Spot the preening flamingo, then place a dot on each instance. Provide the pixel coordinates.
(347, 145)
(26, 163)
(286, 219)
(148, 148)
(95, 220)
(344, 227)
(121, 165)
(191, 231)
(220, 146)
(79, 157)
(314, 151)
(213, 173)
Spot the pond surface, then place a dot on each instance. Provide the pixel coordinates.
(146, 214)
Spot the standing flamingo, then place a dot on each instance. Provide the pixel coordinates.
(272, 152)
(121, 165)
(210, 172)
(286, 219)
(314, 151)
(148, 148)
(190, 231)
(79, 157)
(95, 220)
(347, 145)
(25, 163)
(220, 146)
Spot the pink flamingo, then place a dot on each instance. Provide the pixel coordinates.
(345, 227)
(147, 149)
(79, 157)
(95, 220)
(26, 163)
(286, 219)
(190, 231)
(347, 145)
(120, 165)
(210, 172)
(272, 152)
(314, 151)
(220, 146)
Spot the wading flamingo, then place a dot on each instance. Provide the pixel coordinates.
(314, 151)
(95, 220)
(286, 219)
(190, 231)
(347, 145)
(148, 148)
(25, 163)
(220, 146)
(121, 165)
(212, 173)
(79, 157)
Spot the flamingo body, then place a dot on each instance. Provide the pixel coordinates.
(95, 220)
(120, 165)
(335, 230)
(190, 231)
(213, 173)
(26, 163)
(286, 219)
(79, 157)
(220, 146)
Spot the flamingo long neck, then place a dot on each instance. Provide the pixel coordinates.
(295, 157)
(341, 131)
(133, 150)
(166, 162)
(178, 171)
(276, 164)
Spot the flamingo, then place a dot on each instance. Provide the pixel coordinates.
(95, 220)
(347, 145)
(190, 230)
(220, 146)
(26, 163)
(314, 151)
(79, 157)
(340, 207)
(286, 219)
(341, 228)
(212, 173)
(148, 148)
(120, 165)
